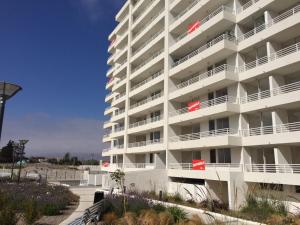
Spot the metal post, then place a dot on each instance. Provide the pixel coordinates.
(2, 108)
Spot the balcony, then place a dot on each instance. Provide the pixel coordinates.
(144, 125)
(147, 25)
(120, 67)
(283, 95)
(109, 97)
(213, 171)
(118, 132)
(288, 133)
(147, 83)
(107, 124)
(138, 166)
(148, 6)
(119, 99)
(285, 59)
(272, 173)
(246, 6)
(222, 106)
(147, 42)
(216, 50)
(119, 83)
(216, 78)
(273, 27)
(146, 146)
(178, 16)
(106, 137)
(146, 103)
(203, 21)
(214, 138)
(108, 110)
(119, 114)
(145, 64)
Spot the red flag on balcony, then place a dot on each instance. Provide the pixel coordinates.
(198, 164)
(193, 106)
(194, 26)
(105, 164)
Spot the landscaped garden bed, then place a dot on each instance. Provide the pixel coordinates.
(30, 201)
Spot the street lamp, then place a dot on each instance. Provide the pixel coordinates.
(7, 91)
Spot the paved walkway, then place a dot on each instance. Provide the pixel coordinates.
(86, 195)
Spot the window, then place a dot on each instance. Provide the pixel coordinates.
(187, 180)
(151, 158)
(196, 155)
(222, 123)
(224, 155)
(297, 189)
(114, 159)
(213, 158)
(155, 136)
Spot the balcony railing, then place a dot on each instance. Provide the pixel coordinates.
(274, 56)
(149, 3)
(204, 47)
(107, 108)
(268, 93)
(206, 19)
(138, 165)
(281, 128)
(186, 10)
(147, 42)
(119, 112)
(272, 168)
(276, 20)
(149, 99)
(205, 134)
(147, 80)
(147, 24)
(201, 76)
(147, 121)
(121, 64)
(207, 104)
(208, 166)
(145, 143)
(113, 148)
(246, 6)
(119, 129)
(155, 55)
(120, 95)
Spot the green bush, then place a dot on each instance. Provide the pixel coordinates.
(31, 211)
(8, 216)
(159, 208)
(51, 210)
(177, 213)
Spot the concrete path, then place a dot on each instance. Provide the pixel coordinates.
(86, 195)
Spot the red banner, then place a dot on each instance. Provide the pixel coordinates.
(105, 164)
(198, 164)
(193, 106)
(194, 26)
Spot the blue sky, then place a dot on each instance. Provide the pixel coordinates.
(57, 51)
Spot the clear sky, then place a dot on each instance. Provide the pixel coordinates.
(57, 51)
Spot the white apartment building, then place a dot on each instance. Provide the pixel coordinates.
(216, 80)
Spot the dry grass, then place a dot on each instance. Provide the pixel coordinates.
(165, 218)
(149, 217)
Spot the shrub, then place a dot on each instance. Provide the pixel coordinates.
(8, 216)
(177, 213)
(51, 210)
(130, 218)
(109, 218)
(195, 220)
(30, 211)
(165, 218)
(149, 217)
(159, 208)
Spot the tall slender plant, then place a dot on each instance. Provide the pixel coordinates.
(119, 177)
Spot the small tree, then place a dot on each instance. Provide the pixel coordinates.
(119, 177)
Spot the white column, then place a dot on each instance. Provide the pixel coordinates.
(167, 66)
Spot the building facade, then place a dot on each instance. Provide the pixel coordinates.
(214, 82)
